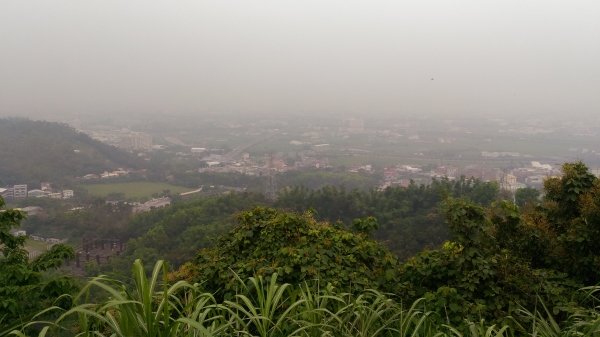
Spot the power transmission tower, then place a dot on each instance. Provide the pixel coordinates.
(271, 189)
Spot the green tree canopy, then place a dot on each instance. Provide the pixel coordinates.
(23, 291)
(299, 249)
(526, 195)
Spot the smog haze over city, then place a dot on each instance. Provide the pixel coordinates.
(434, 58)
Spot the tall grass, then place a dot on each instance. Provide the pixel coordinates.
(154, 308)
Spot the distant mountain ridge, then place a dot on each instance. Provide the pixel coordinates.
(36, 151)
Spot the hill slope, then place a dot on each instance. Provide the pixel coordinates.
(36, 151)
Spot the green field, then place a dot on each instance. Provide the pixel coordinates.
(31, 245)
(134, 190)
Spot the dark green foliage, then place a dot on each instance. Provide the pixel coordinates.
(23, 291)
(36, 151)
(175, 233)
(526, 195)
(473, 277)
(97, 220)
(409, 218)
(91, 268)
(570, 220)
(298, 249)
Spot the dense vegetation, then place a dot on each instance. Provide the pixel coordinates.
(520, 268)
(409, 218)
(36, 151)
(298, 249)
(23, 289)
(153, 308)
(97, 219)
(177, 232)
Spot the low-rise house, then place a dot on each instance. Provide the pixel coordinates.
(18, 232)
(55, 195)
(108, 175)
(409, 169)
(32, 210)
(535, 181)
(35, 193)
(152, 204)
(321, 147)
(449, 172)
(68, 194)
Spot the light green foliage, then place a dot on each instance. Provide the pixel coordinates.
(134, 190)
(262, 308)
(22, 288)
(152, 307)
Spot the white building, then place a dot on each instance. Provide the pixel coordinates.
(198, 149)
(68, 194)
(515, 186)
(32, 210)
(18, 232)
(20, 191)
(536, 164)
(321, 147)
(152, 204)
(137, 141)
(35, 193)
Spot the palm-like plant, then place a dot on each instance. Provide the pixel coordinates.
(154, 308)
(176, 310)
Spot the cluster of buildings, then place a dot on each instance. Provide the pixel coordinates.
(531, 176)
(397, 175)
(123, 138)
(116, 173)
(147, 206)
(352, 125)
(355, 168)
(280, 161)
(20, 191)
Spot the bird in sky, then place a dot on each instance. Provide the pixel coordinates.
(432, 79)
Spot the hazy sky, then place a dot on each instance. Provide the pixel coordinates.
(534, 56)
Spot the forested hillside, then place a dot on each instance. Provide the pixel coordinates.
(36, 151)
(409, 218)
